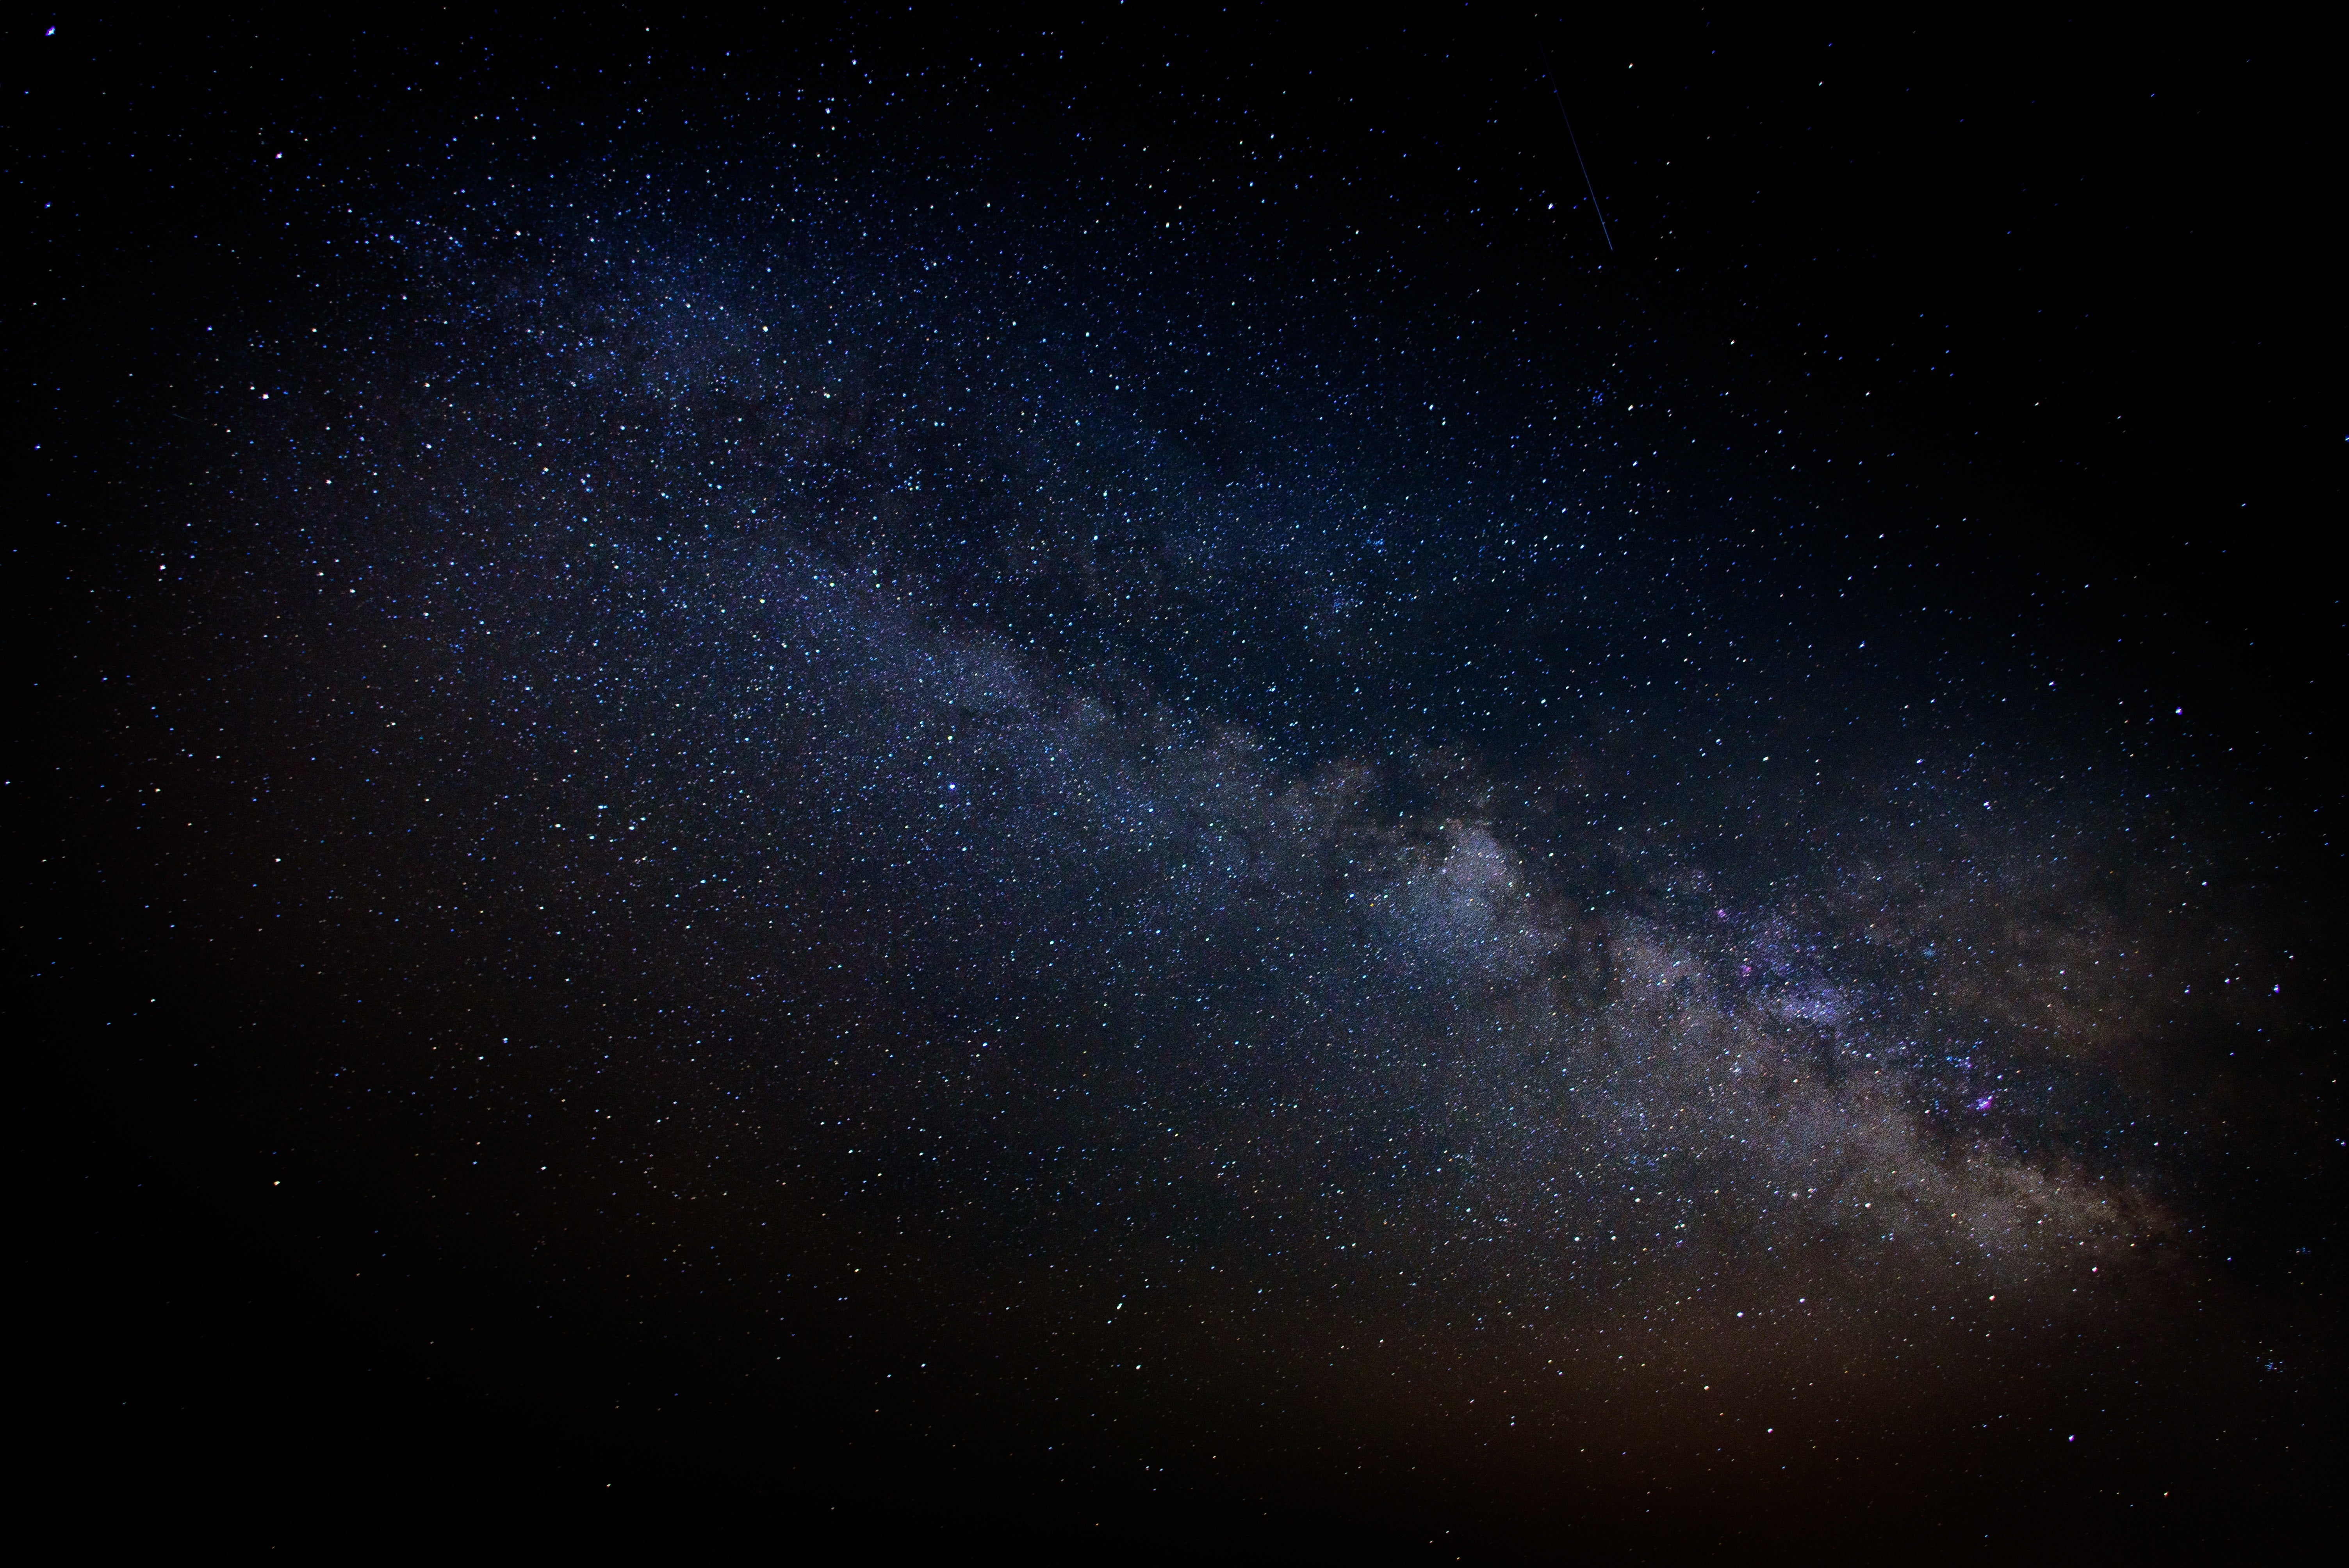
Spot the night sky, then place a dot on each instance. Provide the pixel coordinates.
(1092, 783)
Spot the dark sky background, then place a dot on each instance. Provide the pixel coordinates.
(864, 771)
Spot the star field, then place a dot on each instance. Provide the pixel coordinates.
(1075, 774)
